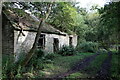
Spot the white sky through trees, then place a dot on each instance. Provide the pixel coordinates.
(88, 3)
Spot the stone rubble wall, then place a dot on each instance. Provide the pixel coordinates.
(23, 44)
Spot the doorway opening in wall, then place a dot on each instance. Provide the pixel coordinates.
(70, 41)
(41, 41)
(56, 44)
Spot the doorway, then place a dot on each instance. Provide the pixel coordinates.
(56, 44)
(70, 41)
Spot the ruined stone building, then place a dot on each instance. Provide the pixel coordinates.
(19, 34)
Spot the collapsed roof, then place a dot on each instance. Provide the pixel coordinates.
(28, 22)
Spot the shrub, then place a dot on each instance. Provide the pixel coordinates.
(37, 59)
(9, 68)
(50, 56)
(15, 70)
(102, 51)
(113, 50)
(67, 51)
(87, 47)
(39, 53)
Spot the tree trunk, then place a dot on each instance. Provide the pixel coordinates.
(32, 51)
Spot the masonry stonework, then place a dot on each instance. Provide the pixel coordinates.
(7, 37)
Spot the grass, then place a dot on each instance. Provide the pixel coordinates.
(91, 70)
(7, 62)
(59, 64)
(78, 75)
(115, 66)
(63, 64)
(0, 66)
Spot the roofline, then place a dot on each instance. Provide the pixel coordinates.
(42, 31)
(31, 30)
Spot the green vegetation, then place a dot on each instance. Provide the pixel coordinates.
(115, 66)
(91, 70)
(87, 47)
(78, 75)
(97, 31)
(63, 63)
(67, 51)
(41, 66)
(96, 64)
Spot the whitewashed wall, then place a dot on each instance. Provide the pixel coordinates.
(24, 43)
(63, 40)
(74, 40)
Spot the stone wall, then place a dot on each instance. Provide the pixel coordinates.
(7, 36)
(23, 44)
(74, 40)
(63, 40)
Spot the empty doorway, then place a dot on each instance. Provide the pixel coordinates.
(70, 41)
(56, 44)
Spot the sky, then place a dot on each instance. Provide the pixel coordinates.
(88, 3)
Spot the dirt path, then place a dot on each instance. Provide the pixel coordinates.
(103, 73)
(79, 66)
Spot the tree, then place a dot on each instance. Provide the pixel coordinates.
(110, 21)
(32, 51)
(45, 12)
(60, 17)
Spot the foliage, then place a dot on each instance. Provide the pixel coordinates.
(51, 56)
(67, 51)
(102, 51)
(15, 70)
(115, 66)
(92, 27)
(110, 22)
(37, 59)
(87, 47)
(61, 17)
(113, 50)
(10, 69)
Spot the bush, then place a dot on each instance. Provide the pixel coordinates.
(39, 53)
(37, 59)
(50, 56)
(102, 51)
(113, 50)
(87, 47)
(15, 70)
(9, 68)
(67, 51)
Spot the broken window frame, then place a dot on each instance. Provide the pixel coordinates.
(41, 45)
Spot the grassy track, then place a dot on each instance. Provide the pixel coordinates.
(63, 64)
(92, 69)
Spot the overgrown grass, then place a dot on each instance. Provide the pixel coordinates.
(78, 75)
(0, 66)
(7, 62)
(115, 66)
(96, 64)
(92, 69)
(48, 66)
(63, 64)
